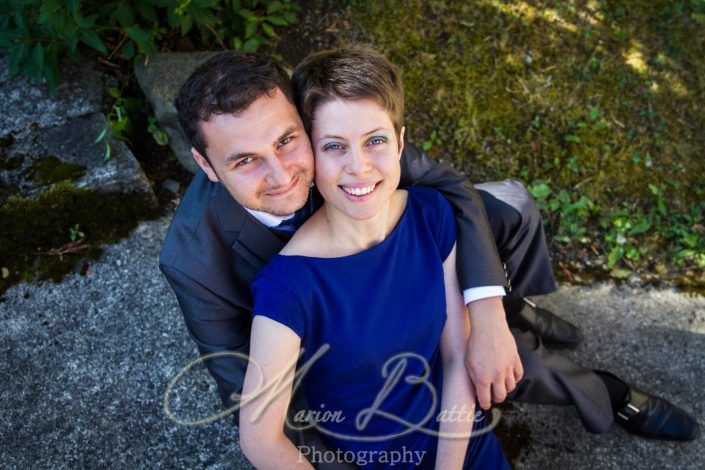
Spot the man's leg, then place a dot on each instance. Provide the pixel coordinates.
(518, 229)
(550, 377)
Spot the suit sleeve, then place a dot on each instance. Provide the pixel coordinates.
(216, 326)
(478, 261)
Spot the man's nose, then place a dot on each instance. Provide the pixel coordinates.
(358, 161)
(278, 174)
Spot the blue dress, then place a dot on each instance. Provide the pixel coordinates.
(378, 314)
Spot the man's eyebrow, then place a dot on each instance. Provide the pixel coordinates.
(287, 132)
(233, 157)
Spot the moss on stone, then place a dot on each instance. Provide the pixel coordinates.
(35, 226)
(50, 169)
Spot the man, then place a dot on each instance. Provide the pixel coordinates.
(255, 189)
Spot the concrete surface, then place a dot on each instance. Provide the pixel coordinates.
(86, 364)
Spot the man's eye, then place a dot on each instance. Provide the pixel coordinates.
(244, 162)
(285, 140)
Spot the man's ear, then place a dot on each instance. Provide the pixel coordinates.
(205, 165)
(401, 140)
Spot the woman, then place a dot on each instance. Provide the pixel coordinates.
(367, 289)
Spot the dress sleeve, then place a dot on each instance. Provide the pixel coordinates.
(274, 300)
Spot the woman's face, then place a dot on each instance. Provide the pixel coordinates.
(357, 156)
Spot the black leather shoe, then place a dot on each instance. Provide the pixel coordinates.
(554, 331)
(653, 417)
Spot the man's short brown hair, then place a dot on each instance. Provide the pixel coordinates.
(227, 83)
(351, 73)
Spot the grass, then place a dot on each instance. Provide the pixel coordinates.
(598, 106)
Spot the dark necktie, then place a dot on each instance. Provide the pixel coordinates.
(292, 224)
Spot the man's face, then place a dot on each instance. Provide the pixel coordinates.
(262, 156)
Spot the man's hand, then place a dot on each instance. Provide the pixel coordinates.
(491, 358)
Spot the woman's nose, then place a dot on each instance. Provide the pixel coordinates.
(358, 161)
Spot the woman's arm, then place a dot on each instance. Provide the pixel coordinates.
(274, 350)
(458, 400)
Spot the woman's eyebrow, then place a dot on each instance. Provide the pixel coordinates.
(330, 136)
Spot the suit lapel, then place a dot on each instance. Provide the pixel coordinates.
(254, 242)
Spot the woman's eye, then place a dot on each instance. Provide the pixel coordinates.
(332, 147)
(377, 140)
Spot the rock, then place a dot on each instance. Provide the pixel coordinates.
(69, 151)
(171, 186)
(160, 79)
(79, 91)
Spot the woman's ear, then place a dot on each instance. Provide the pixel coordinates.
(401, 140)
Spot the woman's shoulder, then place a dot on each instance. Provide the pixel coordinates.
(308, 239)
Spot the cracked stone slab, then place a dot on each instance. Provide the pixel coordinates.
(74, 143)
(80, 91)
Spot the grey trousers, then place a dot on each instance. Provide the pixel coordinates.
(550, 377)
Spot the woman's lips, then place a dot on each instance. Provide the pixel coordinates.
(359, 191)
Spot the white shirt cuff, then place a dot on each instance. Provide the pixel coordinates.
(478, 293)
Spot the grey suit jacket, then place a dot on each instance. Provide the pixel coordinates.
(214, 248)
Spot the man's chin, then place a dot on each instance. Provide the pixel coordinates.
(282, 208)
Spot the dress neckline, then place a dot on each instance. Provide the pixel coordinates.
(378, 246)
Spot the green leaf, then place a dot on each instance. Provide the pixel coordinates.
(641, 227)
(91, 39)
(74, 7)
(539, 190)
(245, 13)
(8, 38)
(137, 34)
(572, 138)
(88, 22)
(250, 29)
(101, 136)
(205, 3)
(290, 17)
(106, 157)
(237, 44)
(202, 16)
(72, 42)
(594, 113)
(124, 14)
(128, 51)
(186, 25)
(268, 30)
(250, 45)
(277, 20)
(274, 7)
(147, 11)
(38, 55)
